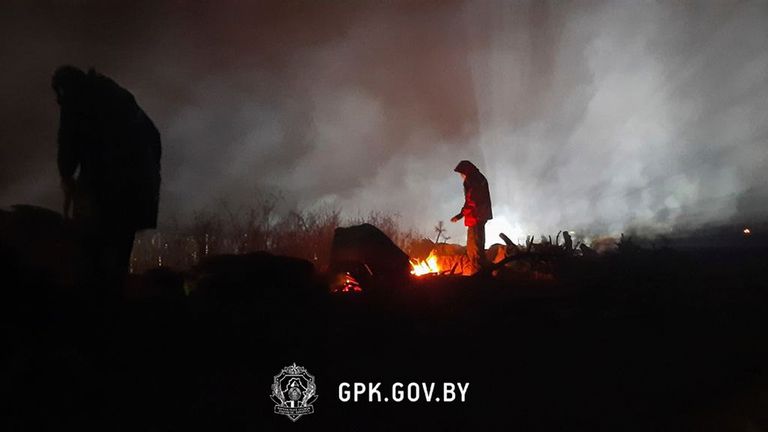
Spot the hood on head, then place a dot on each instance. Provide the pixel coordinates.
(465, 167)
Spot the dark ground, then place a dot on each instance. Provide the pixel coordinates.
(641, 340)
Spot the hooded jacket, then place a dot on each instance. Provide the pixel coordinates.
(477, 197)
(117, 149)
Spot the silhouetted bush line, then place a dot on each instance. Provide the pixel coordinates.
(262, 227)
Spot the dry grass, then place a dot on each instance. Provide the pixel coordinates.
(261, 227)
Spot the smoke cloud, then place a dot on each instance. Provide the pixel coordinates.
(592, 116)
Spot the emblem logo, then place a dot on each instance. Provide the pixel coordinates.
(293, 391)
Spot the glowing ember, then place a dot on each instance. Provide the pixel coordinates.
(346, 283)
(747, 231)
(427, 266)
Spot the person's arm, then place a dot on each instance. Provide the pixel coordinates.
(67, 158)
(468, 206)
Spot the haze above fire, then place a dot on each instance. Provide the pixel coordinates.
(592, 116)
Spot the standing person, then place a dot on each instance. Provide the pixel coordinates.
(476, 212)
(109, 162)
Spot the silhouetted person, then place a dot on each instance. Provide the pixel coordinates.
(109, 162)
(476, 212)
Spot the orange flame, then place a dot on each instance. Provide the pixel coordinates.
(427, 266)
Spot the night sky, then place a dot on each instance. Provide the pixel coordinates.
(593, 116)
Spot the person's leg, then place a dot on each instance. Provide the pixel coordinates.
(90, 251)
(472, 251)
(114, 259)
(480, 239)
(124, 249)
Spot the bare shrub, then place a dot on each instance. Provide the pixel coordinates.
(260, 227)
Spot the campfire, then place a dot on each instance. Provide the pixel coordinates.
(362, 256)
(425, 266)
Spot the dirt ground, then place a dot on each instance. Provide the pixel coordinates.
(639, 340)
